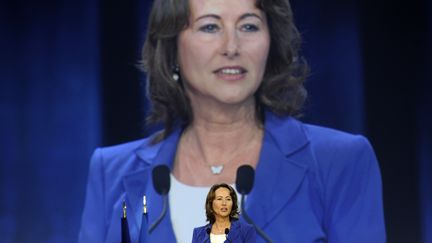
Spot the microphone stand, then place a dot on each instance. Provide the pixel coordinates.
(161, 183)
(250, 221)
(159, 219)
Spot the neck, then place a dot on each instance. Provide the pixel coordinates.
(222, 223)
(219, 144)
(224, 140)
(220, 129)
(211, 112)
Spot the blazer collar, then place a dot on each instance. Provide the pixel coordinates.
(278, 174)
(234, 232)
(287, 133)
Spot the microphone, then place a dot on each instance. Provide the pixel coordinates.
(245, 179)
(244, 183)
(161, 183)
(226, 234)
(161, 179)
(208, 230)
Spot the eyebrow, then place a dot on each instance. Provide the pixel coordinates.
(247, 15)
(215, 16)
(208, 16)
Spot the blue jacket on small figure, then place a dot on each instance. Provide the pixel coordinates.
(312, 184)
(239, 233)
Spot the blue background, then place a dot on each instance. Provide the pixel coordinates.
(68, 83)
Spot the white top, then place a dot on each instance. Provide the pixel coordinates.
(217, 238)
(187, 209)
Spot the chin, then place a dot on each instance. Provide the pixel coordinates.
(236, 99)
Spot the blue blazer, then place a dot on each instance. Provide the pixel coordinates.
(312, 184)
(239, 233)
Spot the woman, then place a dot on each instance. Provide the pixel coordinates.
(226, 80)
(222, 214)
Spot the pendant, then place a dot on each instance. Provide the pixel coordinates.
(216, 169)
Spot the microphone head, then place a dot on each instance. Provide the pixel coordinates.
(208, 230)
(226, 231)
(245, 179)
(161, 179)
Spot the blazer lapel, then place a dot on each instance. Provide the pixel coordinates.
(140, 183)
(234, 234)
(278, 174)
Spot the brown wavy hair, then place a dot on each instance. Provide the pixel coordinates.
(281, 91)
(234, 215)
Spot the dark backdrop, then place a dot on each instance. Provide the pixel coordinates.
(69, 83)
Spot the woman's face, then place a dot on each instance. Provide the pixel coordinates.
(223, 51)
(222, 204)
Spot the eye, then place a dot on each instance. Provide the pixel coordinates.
(249, 28)
(209, 28)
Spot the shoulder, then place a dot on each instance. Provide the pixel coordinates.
(200, 233)
(341, 159)
(290, 130)
(243, 228)
(323, 139)
(244, 231)
(243, 225)
(333, 148)
(202, 228)
(319, 148)
(110, 165)
(123, 157)
(124, 150)
(292, 135)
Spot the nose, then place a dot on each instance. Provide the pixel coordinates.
(230, 47)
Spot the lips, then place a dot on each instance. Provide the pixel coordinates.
(236, 70)
(233, 73)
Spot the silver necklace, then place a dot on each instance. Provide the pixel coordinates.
(219, 230)
(218, 169)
